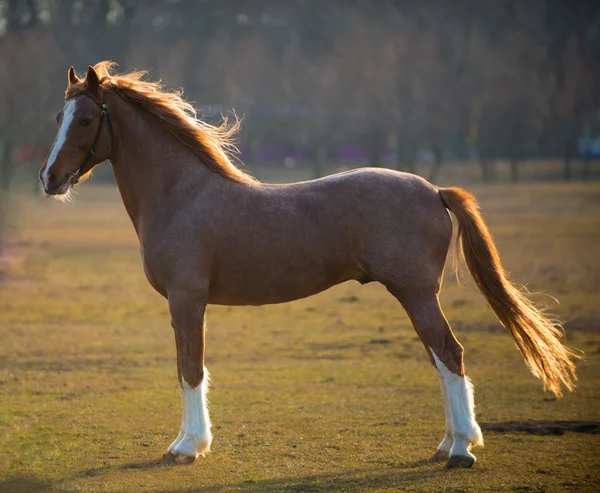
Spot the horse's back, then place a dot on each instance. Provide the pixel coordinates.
(381, 203)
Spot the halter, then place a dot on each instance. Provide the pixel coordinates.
(104, 116)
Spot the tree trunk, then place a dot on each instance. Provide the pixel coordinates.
(404, 163)
(33, 12)
(514, 169)
(376, 142)
(585, 170)
(405, 160)
(374, 153)
(320, 160)
(436, 165)
(7, 170)
(567, 171)
(488, 171)
(12, 15)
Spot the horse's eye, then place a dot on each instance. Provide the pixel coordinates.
(85, 122)
(58, 115)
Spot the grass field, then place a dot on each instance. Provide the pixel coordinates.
(330, 393)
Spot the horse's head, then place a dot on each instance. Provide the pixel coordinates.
(83, 139)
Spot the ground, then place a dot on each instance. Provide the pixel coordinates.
(330, 393)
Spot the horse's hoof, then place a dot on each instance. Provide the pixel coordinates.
(192, 446)
(440, 455)
(168, 458)
(171, 458)
(460, 461)
(184, 459)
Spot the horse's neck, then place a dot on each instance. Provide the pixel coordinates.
(150, 164)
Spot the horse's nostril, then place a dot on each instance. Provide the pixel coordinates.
(51, 177)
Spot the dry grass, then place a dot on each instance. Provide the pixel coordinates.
(331, 393)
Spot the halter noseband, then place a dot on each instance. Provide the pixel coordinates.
(104, 116)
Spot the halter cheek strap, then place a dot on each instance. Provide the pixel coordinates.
(105, 115)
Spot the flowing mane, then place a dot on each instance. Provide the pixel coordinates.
(211, 143)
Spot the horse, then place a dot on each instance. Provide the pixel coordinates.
(212, 234)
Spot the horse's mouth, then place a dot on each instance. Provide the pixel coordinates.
(62, 189)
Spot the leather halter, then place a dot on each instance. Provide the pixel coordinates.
(104, 116)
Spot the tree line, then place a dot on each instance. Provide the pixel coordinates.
(483, 79)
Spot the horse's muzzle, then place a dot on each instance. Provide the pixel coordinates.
(53, 185)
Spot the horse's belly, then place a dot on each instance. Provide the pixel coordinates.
(268, 289)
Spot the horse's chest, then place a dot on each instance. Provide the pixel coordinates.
(154, 272)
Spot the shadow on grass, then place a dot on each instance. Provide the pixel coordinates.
(26, 484)
(144, 465)
(398, 476)
(395, 478)
(536, 427)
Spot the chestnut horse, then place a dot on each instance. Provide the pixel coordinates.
(210, 233)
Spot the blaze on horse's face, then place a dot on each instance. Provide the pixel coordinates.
(77, 126)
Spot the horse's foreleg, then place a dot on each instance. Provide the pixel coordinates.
(184, 420)
(188, 322)
(183, 394)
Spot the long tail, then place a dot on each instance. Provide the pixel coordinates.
(535, 335)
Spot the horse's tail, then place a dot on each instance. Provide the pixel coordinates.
(536, 336)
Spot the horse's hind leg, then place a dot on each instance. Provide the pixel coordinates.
(446, 355)
(443, 450)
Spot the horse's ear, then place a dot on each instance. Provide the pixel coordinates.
(92, 80)
(73, 79)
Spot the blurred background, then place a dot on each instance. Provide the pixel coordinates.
(469, 90)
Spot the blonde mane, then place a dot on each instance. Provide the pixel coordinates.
(212, 144)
